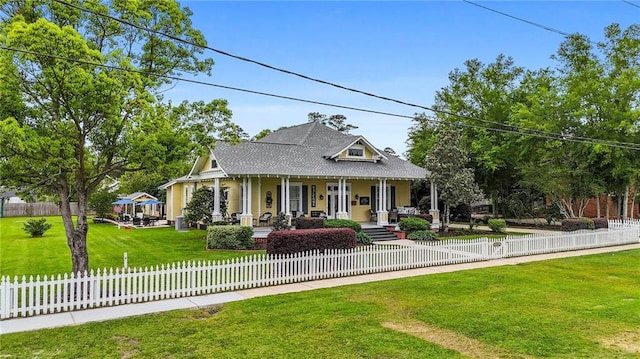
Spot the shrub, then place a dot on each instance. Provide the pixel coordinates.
(600, 223)
(423, 236)
(497, 225)
(342, 223)
(309, 223)
(363, 238)
(219, 223)
(425, 216)
(590, 223)
(280, 223)
(302, 240)
(230, 237)
(412, 224)
(37, 227)
(575, 224)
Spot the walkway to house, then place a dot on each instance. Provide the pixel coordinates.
(128, 310)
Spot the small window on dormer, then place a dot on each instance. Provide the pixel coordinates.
(214, 164)
(356, 152)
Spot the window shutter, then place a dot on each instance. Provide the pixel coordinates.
(305, 200)
(278, 199)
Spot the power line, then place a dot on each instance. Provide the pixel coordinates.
(630, 3)
(516, 128)
(508, 129)
(544, 27)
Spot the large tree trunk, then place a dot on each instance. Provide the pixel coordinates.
(584, 202)
(76, 234)
(446, 218)
(607, 208)
(625, 208)
(598, 197)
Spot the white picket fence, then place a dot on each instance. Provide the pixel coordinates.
(23, 297)
(625, 223)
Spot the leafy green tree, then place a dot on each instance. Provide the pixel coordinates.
(448, 166)
(478, 91)
(590, 94)
(337, 122)
(101, 201)
(200, 207)
(261, 134)
(73, 116)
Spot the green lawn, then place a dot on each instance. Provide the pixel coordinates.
(20, 254)
(582, 307)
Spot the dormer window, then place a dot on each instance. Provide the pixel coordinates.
(356, 151)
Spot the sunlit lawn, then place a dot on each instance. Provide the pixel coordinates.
(581, 307)
(20, 254)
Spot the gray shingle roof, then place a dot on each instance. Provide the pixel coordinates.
(301, 151)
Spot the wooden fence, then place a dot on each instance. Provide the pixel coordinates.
(37, 209)
(23, 297)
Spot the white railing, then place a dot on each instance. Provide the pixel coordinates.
(22, 297)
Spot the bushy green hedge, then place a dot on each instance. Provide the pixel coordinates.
(600, 223)
(230, 237)
(309, 223)
(412, 224)
(575, 224)
(423, 236)
(342, 223)
(497, 225)
(302, 240)
(363, 238)
(424, 216)
(280, 223)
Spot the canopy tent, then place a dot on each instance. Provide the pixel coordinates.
(149, 202)
(123, 201)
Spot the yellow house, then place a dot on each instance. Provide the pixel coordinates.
(308, 169)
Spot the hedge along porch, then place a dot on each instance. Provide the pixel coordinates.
(309, 168)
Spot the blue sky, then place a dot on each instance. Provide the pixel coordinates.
(402, 50)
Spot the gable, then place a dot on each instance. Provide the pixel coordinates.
(359, 150)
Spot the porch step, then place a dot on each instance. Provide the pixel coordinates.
(379, 234)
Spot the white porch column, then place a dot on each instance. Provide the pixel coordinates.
(434, 212)
(287, 199)
(342, 205)
(246, 219)
(383, 214)
(259, 196)
(287, 196)
(216, 215)
(283, 197)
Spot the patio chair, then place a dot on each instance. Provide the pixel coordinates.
(393, 216)
(235, 218)
(373, 216)
(265, 218)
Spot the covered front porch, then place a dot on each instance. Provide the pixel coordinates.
(360, 199)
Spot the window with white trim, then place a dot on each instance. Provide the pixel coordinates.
(295, 197)
(355, 151)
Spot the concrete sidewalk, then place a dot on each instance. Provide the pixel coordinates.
(128, 310)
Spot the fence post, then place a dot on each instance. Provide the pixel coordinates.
(126, 260)
(5, 297)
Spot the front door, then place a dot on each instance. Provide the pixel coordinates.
(332, 200)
